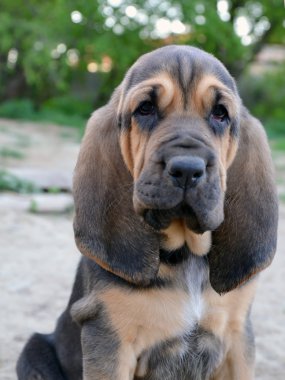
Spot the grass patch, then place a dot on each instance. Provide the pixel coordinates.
(53, 190)
(63, 111)
(33, 208)
(9, 182)
(11, 153)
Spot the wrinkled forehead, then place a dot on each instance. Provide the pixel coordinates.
(185, 64)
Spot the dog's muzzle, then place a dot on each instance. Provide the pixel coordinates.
(184, 187)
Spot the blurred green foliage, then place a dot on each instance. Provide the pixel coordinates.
(10, 152)
(12, 183)
(264, 95)
(17, 109)
(47, 46)
(278, 144)
(62, 110)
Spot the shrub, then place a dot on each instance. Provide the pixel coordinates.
(17, 109)
(265, 97)
(66, 111)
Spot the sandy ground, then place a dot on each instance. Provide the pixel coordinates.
(38, 259)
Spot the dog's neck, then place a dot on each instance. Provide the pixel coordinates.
(174, 257)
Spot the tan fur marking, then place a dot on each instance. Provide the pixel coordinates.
(227, 313)
(177, 234)
(142, 364)
(127, 363)
(140, 92)
(225, 145)
(138, 142)
(143, 318)
(133, 146)
(167, 90)
(174, 235)
(235, 366)
(226, 148)
(231, 152)
(204, 95)
(165, 271)
(223, 170)
(126, 150)
(225, 316)
(151, 310)
(170, 98)
(199, 244)
(133, 143)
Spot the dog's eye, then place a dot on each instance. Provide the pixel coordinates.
(219, 113)
(145, 108)
(219, 119)
(147, 115)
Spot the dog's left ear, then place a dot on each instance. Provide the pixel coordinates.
(107, 229)
(245, 243)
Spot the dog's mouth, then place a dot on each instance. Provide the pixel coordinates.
(198, 223)
(161, 199)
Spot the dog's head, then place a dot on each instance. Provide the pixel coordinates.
(174, 158)
(179, 114)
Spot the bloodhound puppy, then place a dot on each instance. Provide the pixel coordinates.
(175, 214)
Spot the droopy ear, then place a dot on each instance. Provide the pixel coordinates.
(246, 241)
(106, 227)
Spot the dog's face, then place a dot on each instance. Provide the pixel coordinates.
(175, 158)
(179, 130)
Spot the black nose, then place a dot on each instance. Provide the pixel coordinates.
(186, 171)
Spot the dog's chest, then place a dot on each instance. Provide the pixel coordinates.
(145, 318)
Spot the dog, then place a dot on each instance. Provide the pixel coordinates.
(175, 214)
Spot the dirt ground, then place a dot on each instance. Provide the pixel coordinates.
(38, 259)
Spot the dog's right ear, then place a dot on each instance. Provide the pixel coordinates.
(106, 227)
(245, 243)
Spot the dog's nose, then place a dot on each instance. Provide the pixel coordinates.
(186, 171)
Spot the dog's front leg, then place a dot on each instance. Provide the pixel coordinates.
(104, 356)
(240, 356)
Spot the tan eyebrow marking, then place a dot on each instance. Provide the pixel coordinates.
(166, 88)
(206, 90)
